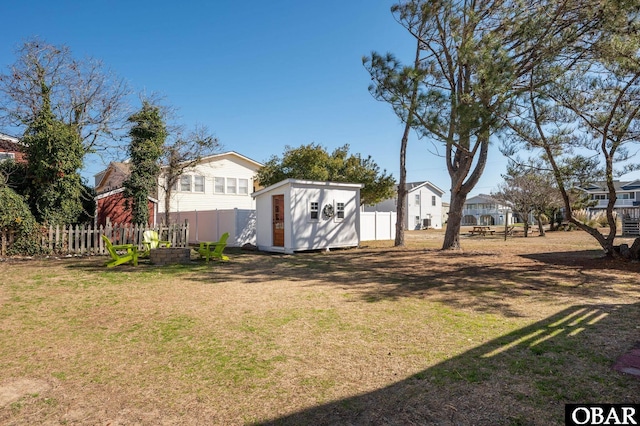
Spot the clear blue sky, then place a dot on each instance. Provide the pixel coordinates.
(259, 74)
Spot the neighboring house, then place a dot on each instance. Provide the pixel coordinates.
(423, 207)
(217, 182)
(110, 202)
(11, 149)
(445, 212)
(297, 215)
(111, 208)
(627, 198)
(484, 210)
(112, 177)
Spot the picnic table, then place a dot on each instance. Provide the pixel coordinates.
(482, 230)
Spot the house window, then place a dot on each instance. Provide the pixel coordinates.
(198, 184)
(231, 186)
(7, 156)
(243, 186)
(218, 185)
(185, 183)
(417, 199)
(433, 200)
(339, 210)
(599, 197)
(313, 209)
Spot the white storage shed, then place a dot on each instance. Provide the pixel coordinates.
(297, 215)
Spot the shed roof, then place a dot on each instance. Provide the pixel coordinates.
(291, 181)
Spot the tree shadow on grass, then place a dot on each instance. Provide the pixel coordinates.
(477, 280)
(524, 377)
(474, 280)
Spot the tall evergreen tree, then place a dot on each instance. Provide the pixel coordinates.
(148, 136)
(54, 151)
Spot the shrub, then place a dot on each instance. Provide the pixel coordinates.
(16, 216)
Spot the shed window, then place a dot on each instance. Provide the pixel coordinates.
(339, 210)
(313, 209)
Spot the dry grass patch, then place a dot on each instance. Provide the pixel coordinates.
(503, 333)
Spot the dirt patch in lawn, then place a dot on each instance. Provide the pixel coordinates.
(502, 333)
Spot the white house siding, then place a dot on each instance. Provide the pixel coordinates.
(424, 209)
(227, 166)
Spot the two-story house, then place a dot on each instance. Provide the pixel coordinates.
(220, 181)
(627, 198)
(423, 206)
(483, 209)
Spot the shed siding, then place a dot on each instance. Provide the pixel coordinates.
(324, 232)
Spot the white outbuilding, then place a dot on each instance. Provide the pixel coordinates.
(297, 215)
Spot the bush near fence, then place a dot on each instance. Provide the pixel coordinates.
(87, 239)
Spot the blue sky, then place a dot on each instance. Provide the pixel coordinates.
(259, 74)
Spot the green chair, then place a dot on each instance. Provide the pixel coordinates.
(151, 240)
(209, 249)
(131, 254)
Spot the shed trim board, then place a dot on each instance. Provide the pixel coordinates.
(317, 215)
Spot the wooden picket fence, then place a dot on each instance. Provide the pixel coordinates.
(87, 240)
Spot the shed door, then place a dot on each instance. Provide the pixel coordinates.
(278, 220)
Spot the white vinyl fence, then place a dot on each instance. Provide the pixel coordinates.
(377, 226)
(209, 225)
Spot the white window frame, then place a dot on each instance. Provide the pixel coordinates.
(314, 210)
(197, 178)
(243, 186)
(417, 199)
(340, 212)
(231, 189)
(219, 181)
(183, 180)
(7, 156)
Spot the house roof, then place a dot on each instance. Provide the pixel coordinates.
(9, 143)
(214, 157)
(123, 167)
(291, 181)
(601, 186)
(481, 198)
(118, 191)
(411, 186)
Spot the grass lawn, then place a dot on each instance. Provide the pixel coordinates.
(504, 333)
